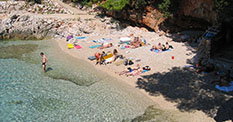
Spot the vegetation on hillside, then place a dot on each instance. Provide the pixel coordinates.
(118, 5)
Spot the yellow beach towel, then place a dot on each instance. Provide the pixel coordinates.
(70, 46)
(108, 56)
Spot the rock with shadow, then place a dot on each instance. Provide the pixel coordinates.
(189, 90)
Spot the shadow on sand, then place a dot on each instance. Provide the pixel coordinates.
(191, 91)
(49, 69)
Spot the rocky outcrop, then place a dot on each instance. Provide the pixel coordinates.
(25, 27)
(197, 14)
(48, 7)
(202, 9)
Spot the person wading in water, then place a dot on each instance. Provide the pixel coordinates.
(44, 61)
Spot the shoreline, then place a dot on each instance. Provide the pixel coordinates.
(168, 85)
(131, 81)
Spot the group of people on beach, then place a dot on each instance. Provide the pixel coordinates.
(101, 60)
(161, 47)
(137, 42)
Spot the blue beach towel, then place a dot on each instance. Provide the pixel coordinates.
(157, 51)
(225, 88)
(95, 46)
(144, 71)
(84, 37)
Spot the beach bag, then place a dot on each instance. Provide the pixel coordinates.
(130, 62)
(170, 47)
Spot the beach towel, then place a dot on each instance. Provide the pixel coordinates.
(138, 73)
(125, 39)
(157, 51)
(95, 46)
(78, 47)
(84, 37)
(69, 37)
(144, 71)
(108, 60)
(225, 88)
(123, 47)
(69, 45)
(91, 58)
(108, 56)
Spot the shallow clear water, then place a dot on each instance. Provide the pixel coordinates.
(28, 94)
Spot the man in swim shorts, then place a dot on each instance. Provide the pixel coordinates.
(44, 61)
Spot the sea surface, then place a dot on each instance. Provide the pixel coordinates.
(70, 91)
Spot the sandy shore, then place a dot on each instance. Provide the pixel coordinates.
(159, 62)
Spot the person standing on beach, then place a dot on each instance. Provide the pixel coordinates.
(44, 61)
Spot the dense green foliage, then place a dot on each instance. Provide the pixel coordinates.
(110, 5)
(164, 7)
(140, 4)
(220, 4)
(116, 5)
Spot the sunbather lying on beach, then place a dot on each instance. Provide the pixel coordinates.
(129, 69)
(157, 47)
(138, 71)
(105, 46)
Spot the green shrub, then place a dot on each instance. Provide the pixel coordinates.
(164, 7)
(220, 4)
(140, 4)
(116, 5)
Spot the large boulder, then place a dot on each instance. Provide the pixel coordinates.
(25, 27)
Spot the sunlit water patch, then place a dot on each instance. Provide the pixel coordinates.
(28, 94)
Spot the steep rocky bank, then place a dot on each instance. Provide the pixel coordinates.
(185, 14)
(20, 22)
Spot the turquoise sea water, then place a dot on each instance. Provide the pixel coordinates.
(71, 90)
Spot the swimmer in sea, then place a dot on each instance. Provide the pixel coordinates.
(44, 61)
